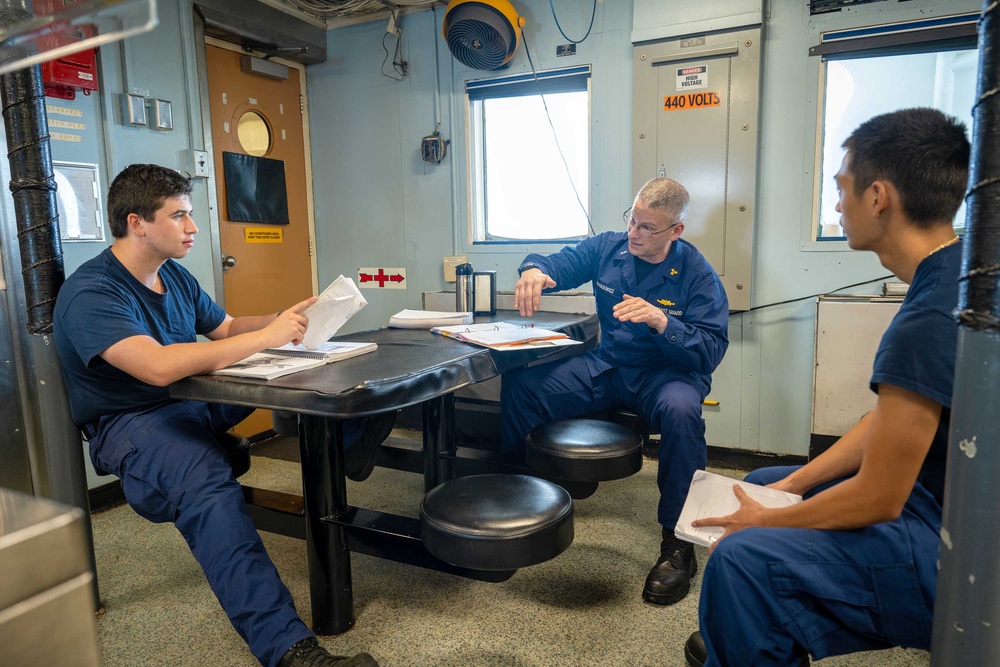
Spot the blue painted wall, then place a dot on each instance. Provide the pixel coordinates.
(378, 204)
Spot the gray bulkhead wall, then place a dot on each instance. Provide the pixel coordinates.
(158, 64)
(375, 199)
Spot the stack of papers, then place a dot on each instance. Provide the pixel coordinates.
(426, 319)
(506, 336)
(337, 304)
(712, 495)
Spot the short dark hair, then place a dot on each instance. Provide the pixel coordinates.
(142, 189)
(923, 152)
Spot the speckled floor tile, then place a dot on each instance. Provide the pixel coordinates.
(580, 609)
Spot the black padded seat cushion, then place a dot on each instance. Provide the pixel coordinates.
(237, 450)
(285, 423)
(496, 522)
(584, 450)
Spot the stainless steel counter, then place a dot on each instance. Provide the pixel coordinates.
(46, 598)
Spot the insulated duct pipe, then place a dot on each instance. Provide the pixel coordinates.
(55, 449)
(967, 608)
(33, 187)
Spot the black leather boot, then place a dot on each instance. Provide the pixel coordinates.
(670, 579)
(308, 653)
(694, 650)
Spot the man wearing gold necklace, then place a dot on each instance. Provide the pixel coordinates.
(853, 567)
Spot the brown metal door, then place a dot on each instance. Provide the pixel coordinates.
(266, 267)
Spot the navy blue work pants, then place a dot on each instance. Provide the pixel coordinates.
(173, 469)
(769, 596)
(565, 389)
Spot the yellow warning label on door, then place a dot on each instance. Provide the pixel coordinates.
(263, 234)
(692, 101)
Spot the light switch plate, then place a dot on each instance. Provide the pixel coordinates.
(200, 163)
(163, 114)
(134, 110)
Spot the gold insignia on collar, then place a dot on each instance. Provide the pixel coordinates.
(665, 302)
(674, 272)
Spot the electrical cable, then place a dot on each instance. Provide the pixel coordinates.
(813, 296)
(593, 13)
(400, 66)
(344, 8)
(555, 137)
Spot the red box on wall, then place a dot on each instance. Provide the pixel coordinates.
(63, 76)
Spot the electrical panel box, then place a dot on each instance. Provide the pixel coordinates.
(695, 120)
(848, 331)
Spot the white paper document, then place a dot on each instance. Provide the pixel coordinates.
(337, 304)
(426, 319)
(506, 336)
(712, 495)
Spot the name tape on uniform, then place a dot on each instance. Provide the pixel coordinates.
(692, 101)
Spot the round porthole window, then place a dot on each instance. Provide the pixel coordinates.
(254, 134)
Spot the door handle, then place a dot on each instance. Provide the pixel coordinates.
(228, 262)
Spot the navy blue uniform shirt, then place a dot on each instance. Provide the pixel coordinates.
(918, 349)
(102, 304)
(684, 286)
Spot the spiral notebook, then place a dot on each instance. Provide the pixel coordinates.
(328, 352)
(278, 361)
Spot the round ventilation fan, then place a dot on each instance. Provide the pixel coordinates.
(482, 34)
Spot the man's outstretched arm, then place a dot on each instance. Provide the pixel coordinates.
(892, 440)
(145, 359)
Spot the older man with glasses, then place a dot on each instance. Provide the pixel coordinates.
(664, 317)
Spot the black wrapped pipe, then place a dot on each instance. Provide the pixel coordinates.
(979, 287)
(34, 191)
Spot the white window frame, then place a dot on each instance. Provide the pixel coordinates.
(930, 34)
(546, 81)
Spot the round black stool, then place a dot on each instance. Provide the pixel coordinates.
(584, 450)
(496, 522)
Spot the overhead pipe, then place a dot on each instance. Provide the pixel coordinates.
(967, 606)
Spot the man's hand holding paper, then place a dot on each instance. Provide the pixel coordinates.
(718, 506)
(337, 304)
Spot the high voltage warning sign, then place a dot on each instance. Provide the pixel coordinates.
(692, 101)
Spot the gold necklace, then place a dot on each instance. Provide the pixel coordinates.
(943, 245)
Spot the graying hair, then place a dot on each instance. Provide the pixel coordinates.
(667, 195)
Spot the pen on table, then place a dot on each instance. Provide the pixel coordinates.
(708, 402)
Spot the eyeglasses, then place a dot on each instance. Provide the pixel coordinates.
(645, 231)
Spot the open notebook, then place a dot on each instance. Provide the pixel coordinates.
(505, 336)
(276, 362)
(328, 351)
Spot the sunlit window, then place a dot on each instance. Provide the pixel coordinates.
(858, 88)
(530, 156)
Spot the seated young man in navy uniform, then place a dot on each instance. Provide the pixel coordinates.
(125, 325)
(664, 317)
(854, 566)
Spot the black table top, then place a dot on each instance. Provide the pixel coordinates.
(410, 366)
